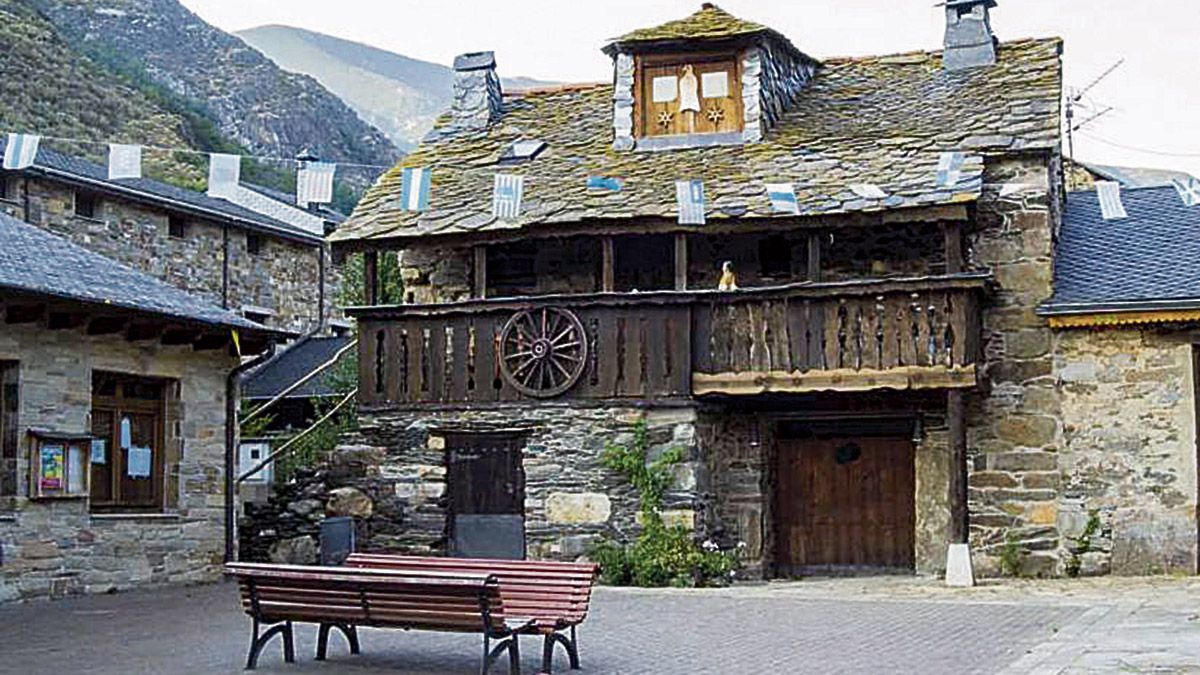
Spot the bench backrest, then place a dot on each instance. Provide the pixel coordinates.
(537, 589)
(424, 599)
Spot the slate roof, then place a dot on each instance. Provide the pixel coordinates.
(323, 210)
(294, 363)
(54, 163)
(35, 262)
(1150, 260)
(881, 120)
(711, 22)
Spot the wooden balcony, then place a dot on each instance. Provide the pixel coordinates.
(846, 336)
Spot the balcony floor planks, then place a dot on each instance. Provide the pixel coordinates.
(842, 379)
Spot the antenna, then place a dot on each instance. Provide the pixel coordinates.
(1072, 101)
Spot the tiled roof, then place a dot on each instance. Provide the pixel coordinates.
(95, 175)
(711, 22)
(879, 120)
(33, 261)
(289, 366)
(1150, 260)
(1133, 177)
(323, 210)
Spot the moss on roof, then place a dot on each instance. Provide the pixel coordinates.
(879, 120)
(711, 22)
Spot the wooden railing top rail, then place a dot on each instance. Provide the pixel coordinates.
(857, 287)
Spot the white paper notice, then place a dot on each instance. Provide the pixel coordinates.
(126, 433)
(666, 89)
(138, 464)
(714, 85)
(99, 451)
(75, 470)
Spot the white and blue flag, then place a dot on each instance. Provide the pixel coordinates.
(783, 198)
(605, 183)
(314, 183)
(949, 170)
(124, 161)
(224, 175)
(414, 189)
(506, 196)
(1109, 195)
(689, 196)
(1189, 190)
(21, 151)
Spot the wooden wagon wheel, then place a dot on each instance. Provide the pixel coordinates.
(543, 351)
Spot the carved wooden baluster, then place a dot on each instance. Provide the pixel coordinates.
(859, 339)
(916, 320)
(880, 315)
(472, 353)
(593, 351)
(948, 336)
(842, 334)
(380, 360)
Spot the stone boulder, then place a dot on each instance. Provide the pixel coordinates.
(294, 551)
(349, 501)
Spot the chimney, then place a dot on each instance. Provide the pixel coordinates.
(969, 39)
(477, 95)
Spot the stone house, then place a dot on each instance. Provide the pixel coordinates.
(879, 385)
(260, 256)
(114, 420)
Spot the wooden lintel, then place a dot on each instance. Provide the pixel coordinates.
(843, 380)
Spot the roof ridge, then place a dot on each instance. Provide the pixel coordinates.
(1018, 42)
(565, 88)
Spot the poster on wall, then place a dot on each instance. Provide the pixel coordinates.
(75, 467)
(52, 467)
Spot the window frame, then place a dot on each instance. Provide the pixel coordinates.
(120, 405)
(90, 198)
(254, 243)
(177, 226)
(643, 122)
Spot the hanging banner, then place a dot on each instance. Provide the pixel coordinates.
(124, 161)
(1109, 194)
(783, 198)
(224, 175)
(949, 169)
(21, 151)
(314, 183)
(506, 196)
(1189, 190)
(689, 196)
(605, 183)
(414, 188)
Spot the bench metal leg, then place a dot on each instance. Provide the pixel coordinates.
(347, 630)
(257, 642)
(570, 644)
(490, 654)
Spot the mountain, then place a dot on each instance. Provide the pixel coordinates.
(401, 96)
(162, 48)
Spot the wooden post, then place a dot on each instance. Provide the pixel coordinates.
(954, 247)
(607, 277)
(814, 256)
(957, 423)
(371, 277)
(681, 261)
(480, 271)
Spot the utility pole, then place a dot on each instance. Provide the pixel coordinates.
(1073, 100)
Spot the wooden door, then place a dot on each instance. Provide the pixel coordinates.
(486, 486)
(845, 504)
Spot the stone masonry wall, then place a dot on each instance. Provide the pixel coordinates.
(1128, 458)
(58, 547)
(570, 499)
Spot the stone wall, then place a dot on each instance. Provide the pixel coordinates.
(398, 460)
(282, 277)
(772, 80)
(57, 547)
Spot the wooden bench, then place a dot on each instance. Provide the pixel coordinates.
(554, 594)
(345, 598)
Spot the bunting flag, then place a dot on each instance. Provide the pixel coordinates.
(314, 183)
(689, 196)
(783, 198)
(21, 151)
(506, 196)
(124, 161)
(224, 175)
(605, 183)
(868, 191)
(1189, 190)
(949, 169)
(414, 189)
(1109, 194)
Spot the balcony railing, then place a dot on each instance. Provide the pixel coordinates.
(899, 334)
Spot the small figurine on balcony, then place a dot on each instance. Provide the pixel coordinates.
(728, 280)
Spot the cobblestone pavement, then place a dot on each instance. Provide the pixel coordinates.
(891, 625)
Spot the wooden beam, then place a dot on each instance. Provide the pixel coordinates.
(480, 276)
(957, 424)
(681, 261)
(814, 256)
(954, 247)
(608, 282)
(371, 277)
(842, 379)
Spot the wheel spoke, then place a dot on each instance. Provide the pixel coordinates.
(523, 366)
(564, 371)
(518, 355)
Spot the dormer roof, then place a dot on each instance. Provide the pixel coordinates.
(710, 23)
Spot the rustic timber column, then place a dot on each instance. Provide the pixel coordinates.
(607, 277)
(953, 233)
(956, 421)
(681, 261)
(480, 276)
(371, 277)
(814, 256)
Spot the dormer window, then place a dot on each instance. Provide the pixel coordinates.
(685, 96)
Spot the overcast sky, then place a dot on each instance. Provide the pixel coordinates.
(1155, 94)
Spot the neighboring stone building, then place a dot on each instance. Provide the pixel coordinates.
(113, 415)
(265, 258)
(1125, 310)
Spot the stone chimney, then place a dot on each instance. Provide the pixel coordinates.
(969, 39)
(477, 94)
